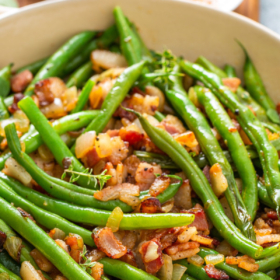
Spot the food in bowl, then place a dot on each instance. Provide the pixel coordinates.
(123, 162)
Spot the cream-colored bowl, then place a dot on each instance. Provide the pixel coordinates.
(186, 28)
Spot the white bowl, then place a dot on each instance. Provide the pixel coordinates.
(186, 28)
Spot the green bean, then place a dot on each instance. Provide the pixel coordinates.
(211, 148)
(39, 239)
(34, 67)
(56, 63)
(98, 217)
(270, 263)
(32, 139)
(104, 41)
(187, 277)
(4, 114)
(159, 116)
(201, 186)
(116, 95)
(8, 262)
(194, 271)
(257, 89)
(263, 196)
(10, 274)
(55, 187)
(237, 149)
(233, 271)
(205, 63)
(25, 250)
(130, 45)
(5, 84)
(245, 98)
(53, 141)
(124, 271)
(80, 76)
(272, 274)
(43, 217)
(83, 97)
(250, 124)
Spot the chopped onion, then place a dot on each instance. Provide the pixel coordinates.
(154, 91)
(193, 97)
(218, 179)
(187, 235)
(196, 260)
(168, 205)
(28, 272)
(151, 253)
(95, 96)
(57, 233)
(114, 219)
(103, 145)
(13, 246)
(178, 271)
(69, 98)
(55, 110)
(105, 59)
(166, 271)
(43, 263)
(85, 143)
(214, 259)
(15, 170)
(226, 249)
(187, 139)
(45, 153)
(21, 121)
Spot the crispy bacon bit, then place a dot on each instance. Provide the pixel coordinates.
(43, 263)
(131, 136)
(3, 238)
(203, 240)
(150, 205)
(47, 90)
(272, 215)
(95, 255)
(76, 244)
(172, 250)
(173, 125)
(14, 106)
(63, 245)
(91, 158)
(160, 184)
(97, 271)
(151, 253)
(66, 162)
(215, 273)
(206, 172)
(268, 238)
(185, 254)
(21, 80)
(236, 124)
(232, 129)
(108, 243)
(200, 221)
(232, 83)
(244, 262)
(145, 175)
(182, 198)
(25, 214)
(129, 258)
(266, 245)
(121, 113)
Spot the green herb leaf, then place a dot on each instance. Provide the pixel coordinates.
(86, 265)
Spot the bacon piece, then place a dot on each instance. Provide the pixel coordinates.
(185, 254)
(91, 158)
(272, 215)
(151, 253)
(3, 238)
(21, 80)
(200, 221)
(206, 172)
(215, 273)
(47, 90)
(25, 214)
(132, 163)
(14, 106)
(270, 244)
(108, 243)
(182, 198)
(76, 244)
(160, 184)
(95, 255)
(97, 271)
(150, 205)
(131, 136)
(129, 258)
(172, 250)
(121, 113)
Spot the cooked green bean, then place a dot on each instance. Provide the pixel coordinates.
(8, 262)
(34, 67)
(10, 274)
(5, 84)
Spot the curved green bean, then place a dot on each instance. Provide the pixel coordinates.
(250, 124)
(80, 76)
(237, 149)
(124, 271)
(5, 84)
(202, 188)
(83, 97)
(53, 141)
(38, 238)
(33, 67)
(43, 217)
(257, 89)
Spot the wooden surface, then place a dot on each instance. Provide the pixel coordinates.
(249, 8)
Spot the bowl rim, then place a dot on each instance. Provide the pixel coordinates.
(236, 16)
